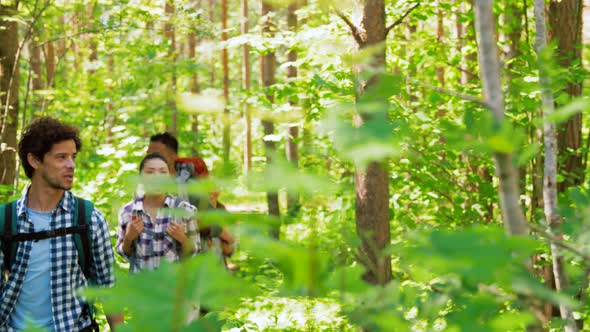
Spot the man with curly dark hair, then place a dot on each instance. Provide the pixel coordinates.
(53, 243)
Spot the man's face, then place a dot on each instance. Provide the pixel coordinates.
(57, 168)
(164, 151)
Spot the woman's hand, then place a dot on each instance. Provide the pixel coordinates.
(177, 232)
(134, 228)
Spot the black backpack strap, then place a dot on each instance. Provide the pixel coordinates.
(83, 214)
(42, 235)
(8, 222)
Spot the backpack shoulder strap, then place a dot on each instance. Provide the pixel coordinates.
(8, 220)
(83, 215)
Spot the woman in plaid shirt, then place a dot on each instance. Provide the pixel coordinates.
(147, 233)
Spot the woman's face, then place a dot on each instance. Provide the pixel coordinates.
(155, 166)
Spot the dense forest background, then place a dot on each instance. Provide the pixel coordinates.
(389, 165)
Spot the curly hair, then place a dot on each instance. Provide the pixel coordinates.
(40, 136)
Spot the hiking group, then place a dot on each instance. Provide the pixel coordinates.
(54, 243)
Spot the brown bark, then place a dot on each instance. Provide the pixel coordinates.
(226, 119)
(267, 79)
(372, 182)
(50, 64)
(246, 87)
(8, 94)
(565, 20)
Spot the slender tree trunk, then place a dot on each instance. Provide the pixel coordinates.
(565, 18)
(372, 181)
(50, 64)
(512, 214)
(195, 88)
(246, 87)
(8, 94)
(468, 75)
(293, 131)
(192, 45)
(37, 79)
(170, 36)
(267, 79)
(226, 120)
(550, 173)
(211, 57)
(60, 44)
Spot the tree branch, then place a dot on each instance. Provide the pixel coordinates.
(451, 92)
(401, 19)
(560, 243)
(353, 28)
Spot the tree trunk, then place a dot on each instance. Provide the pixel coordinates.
(267, 79)
(550, 174)
(170, 37)
(226, 118)
(512, 214)
(36, 68)
(50, 64)
(192, 45)
(246, 87)
(211, 57)
(372, 182)
(8, 94)
(565, 18)
(468, 74)
(293, 131)
(195, 88)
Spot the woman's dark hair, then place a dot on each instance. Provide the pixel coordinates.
(40, 136)
(167, 139)
(153, 155)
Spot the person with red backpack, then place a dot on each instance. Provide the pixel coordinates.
(52, 242)
(186, 169)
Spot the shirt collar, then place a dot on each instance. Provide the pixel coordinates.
(66, 202)
(138, 203)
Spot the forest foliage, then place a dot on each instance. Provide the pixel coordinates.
(124, 70)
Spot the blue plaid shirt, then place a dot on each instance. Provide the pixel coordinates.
(66, 275)
(154, 244)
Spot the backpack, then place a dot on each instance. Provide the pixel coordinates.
(82, 237)
(82, 214)
(192, 168)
